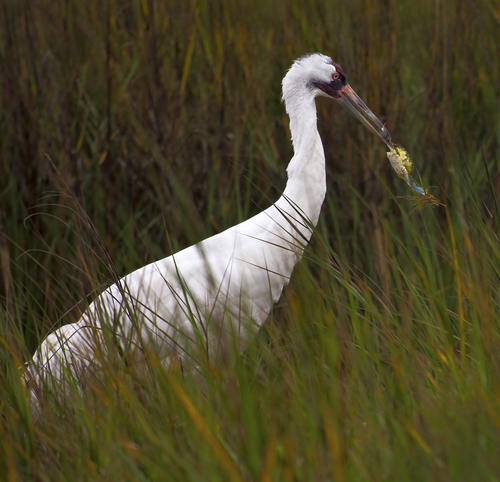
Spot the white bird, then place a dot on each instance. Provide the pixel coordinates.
(193, 303)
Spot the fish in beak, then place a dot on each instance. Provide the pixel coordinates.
(344, 94)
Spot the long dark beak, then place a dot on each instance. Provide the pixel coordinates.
(348, 98)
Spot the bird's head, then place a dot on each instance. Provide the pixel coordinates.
(318, 75)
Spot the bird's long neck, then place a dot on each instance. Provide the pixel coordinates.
(306, 186)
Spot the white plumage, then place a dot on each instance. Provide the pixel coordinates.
(193, 302)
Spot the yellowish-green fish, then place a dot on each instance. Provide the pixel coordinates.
(401, 163)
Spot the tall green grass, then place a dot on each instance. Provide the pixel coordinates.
(131, 129)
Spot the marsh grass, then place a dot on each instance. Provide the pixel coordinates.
(132, 129)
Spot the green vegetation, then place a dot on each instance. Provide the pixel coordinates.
(129, 129)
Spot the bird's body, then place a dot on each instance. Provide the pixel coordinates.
(226, 285)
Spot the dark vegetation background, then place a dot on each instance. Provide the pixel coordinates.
(129, 129)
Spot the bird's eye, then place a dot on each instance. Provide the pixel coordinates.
(336, 76)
